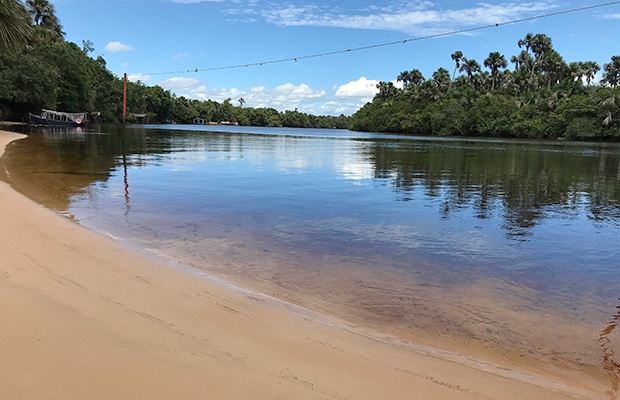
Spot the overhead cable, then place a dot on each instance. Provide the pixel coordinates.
(393, 43)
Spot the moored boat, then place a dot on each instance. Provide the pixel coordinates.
(58, 118)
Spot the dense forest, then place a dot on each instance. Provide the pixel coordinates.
(40, 70)
(542, 97)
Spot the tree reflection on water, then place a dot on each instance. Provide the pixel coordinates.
(610, 364)
(525, 181)
(521, 182)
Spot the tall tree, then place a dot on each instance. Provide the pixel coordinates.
(526, 41)
(87, 47)
(441, 78)
(591, 68)
(410, 78)
(457, 57)
(386, 90)
(15, 29)
(523, 61)
(554, 67)
(470, 67)
(495, 61)
(611, 76)
(404, 78)
(43, 15)
(38, 9)
(577, 70)
(539, 45)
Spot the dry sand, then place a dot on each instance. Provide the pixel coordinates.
(85, 318)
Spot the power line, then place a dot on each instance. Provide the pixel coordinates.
(393, 43)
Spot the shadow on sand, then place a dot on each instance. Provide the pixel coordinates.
(609, 357)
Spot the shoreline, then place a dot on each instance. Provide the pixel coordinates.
(91, 319)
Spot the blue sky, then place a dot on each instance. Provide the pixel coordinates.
(159, 41)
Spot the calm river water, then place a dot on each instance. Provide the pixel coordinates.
(483, 241)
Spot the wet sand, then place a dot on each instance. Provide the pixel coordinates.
(83, 317)
(495, 320)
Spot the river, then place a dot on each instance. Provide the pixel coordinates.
(504, 249)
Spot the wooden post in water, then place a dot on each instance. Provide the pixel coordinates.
(124, 97)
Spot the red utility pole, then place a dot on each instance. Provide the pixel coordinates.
(124, 97)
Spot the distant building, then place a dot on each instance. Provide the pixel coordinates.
(141, 118)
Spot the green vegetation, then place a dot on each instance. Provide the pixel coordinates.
(39, 69)
(544, 97)
(15, 29)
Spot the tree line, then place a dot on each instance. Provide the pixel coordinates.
(40, 70)
(543, 96)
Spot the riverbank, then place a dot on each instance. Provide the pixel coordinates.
(86, 318)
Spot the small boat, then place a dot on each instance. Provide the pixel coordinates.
(58, 118)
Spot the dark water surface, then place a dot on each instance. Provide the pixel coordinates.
(356, 223)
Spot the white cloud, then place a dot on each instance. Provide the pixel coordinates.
(342, 99)
(362, 88)
(282, 98)
(353, 95)
(115, 47)
(412, 17)
(612, 16)
(183, 86)
(290, 92)
(139, 77)
(425, 17)
(195, 1)
(179, 56)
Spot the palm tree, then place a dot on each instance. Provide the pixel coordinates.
(15, 29)
(526, 42)
(554, 67)
(441, 78)
(577, 70)
(429, 91)
(511, 82)
(37, 9)
(494, 62)
(608, 105)
(387, 90)
(590, 68)
(470, 67)
(612, 72)
(483, 80)
(539, 45)
(43, 15)
(87, 47)
(404, 78)
(410, 78)
(522, 62)
(457, 56)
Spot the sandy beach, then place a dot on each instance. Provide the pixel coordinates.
(85, 318)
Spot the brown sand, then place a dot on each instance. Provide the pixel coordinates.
(85, 318)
